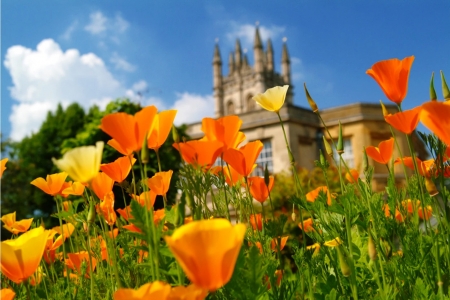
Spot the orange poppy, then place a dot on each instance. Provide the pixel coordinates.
(191, 292)
(75, 262)
(306, 225)
(258, 188)
(3, 166)
(225, 130)
(125, 212)
(425, 167)
(53, 185)
(352, 176)
(7, 294)
(392, 76)
(243, 160)
(435, 116)
(51, 246)
(119, 169)
(312, 195)
(200, 153)
(274, 243)
(106, 207)
(128, 132)
(151, 290)
(102, 184)
(21, 257)
(76, 188)
(232, 177)
(427, 215)
(256, 222)
(405, 121)
(278, 274)
(387, 213)
(383, 152)
(146, 196)
(160, 128)
(15, 226)
(160, 182)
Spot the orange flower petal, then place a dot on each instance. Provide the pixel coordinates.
(258, 188)
(160, 129)
(119, 169)
(383, 153)
(52, 185)
(405, 121)
(102, 184)
(435, 116)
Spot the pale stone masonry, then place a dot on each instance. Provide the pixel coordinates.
(363, 123)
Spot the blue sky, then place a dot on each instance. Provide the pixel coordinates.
(94, 51)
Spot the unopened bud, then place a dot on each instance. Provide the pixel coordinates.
(340, 143)
(431, 187)
(321, 158)
(345, 268)
(433, 96)
(311, 102)
(371, 248)
(327, 147)
(266, 176)
(445, 90)
(384, 109)
(92, 213)
(145, 155)
(293, 217)
(175, 136)
(365, 160)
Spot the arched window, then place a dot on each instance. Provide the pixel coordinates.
(250, 103)
(230, 108)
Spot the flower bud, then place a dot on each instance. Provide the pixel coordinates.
(384, 109)
(266, 176)
(371, 248)
(327, 147)
(175, 136)
(92, 213)
(433, 96)
(431, 187)
(311, 102)
(345, 268)
(445, 90)
(322, 158)
(365, 160)
(340, 143)
(293, 216)
(145, 155)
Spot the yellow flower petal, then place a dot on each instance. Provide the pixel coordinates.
(272, 99)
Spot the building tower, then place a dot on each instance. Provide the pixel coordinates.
(233, 93)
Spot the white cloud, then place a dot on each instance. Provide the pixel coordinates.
(97, 24)
(44, 77)
(246, 32)
(121, 64)
(193, 108)
(68, 33)
(120, 24)
(140, 86)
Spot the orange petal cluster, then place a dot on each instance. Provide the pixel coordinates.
(258, 188)
(383, 153)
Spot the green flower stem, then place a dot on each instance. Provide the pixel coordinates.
(351, 261)
(222, 178)
(57, 200)
(116, 269)
(401, 154)
(91, 271)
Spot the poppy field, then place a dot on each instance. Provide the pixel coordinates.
(223, 238)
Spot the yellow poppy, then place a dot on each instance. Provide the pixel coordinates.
(15, 226)
(273, 98)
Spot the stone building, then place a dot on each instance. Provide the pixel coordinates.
(363, 123)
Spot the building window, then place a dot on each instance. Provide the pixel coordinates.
(230, 108)
(264, 158)
(347, 156)
(250, 103)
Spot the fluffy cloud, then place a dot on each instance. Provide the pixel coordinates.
(44, 77)
(193, 108)
(246, 32)
(99, 24)
(121, 64)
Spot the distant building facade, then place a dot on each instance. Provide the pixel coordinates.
(363, 123)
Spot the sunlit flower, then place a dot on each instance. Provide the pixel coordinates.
(149, 196)
(51, 245)
(76, 188)
(75, 262)
(21, 257)
(428, 212)
(435, 116)
(243, 160)
(15, 226)
(191, 292)
(81, 163)
(352, 176)
(53, 185)
(273, 98)
(274, 243)
(279, 276)
(107, 209)
(152, 290)
(160, 128)
(333, 243)
(128, 132)
(306, 225)
(383, 153)
(36, 278)
(315, 247)
(125, 212)
(410, 205)
(119, 169)
(387, 213)
(201, 154)
(392, 76)
(224, 130)
(312, 195)
(256, 222)
(424, 167)
(102, 184)
(7, 294)
(3, 166)
(258, 188)
(405, 121)
(160, 182)
(207, 251)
